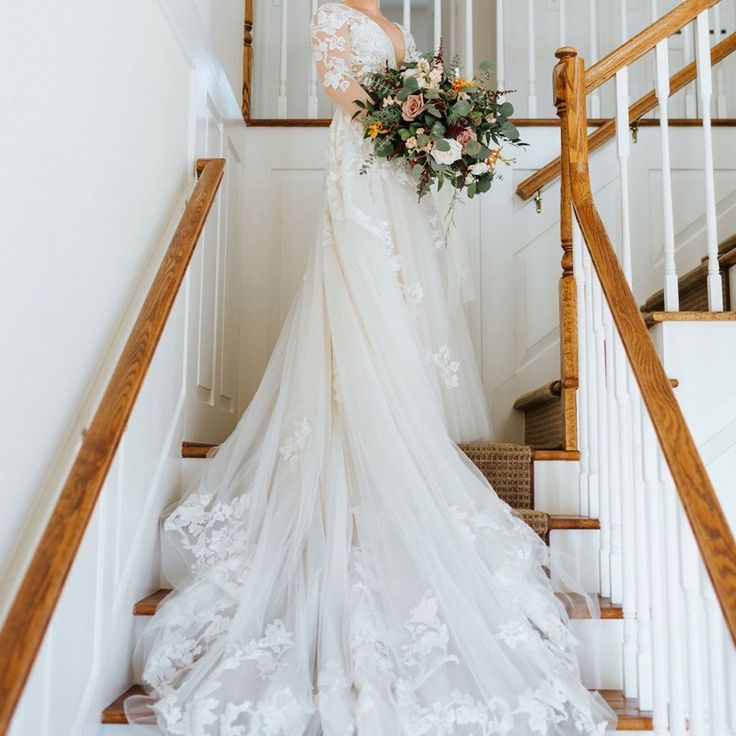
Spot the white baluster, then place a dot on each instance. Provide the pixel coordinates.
(283, 58)
(313, 102)
(437, 23)
(406, 20)
(453, 30)
(591, 389)
(563, 24)
(657, 577)
(671, 292)
(531, 60)
(500, 46)
(643, 581)
(694, 623)
(604, 480)
(595, 97)
(705, 86)
(691, 103)
(469, 62)
(675, 630)
(731, 680)
(624, 18)
(721, 111)
(614, 460)
(623, 399)
(583, 409)
(716, 662)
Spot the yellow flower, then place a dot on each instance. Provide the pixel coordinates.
(375, 129)
(461, 83)
(496, 156)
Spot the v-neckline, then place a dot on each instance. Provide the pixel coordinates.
(383, 30)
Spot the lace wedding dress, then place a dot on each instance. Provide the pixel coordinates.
(345, 569)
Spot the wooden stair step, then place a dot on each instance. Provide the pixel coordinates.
(574, 605)
(630, 718)
(569, 521)
(653, 318)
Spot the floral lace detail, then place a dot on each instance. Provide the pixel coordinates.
(447, 367)
(212, 535)
(414, 293)
(294, 444)
(266, 652)
(278, 714)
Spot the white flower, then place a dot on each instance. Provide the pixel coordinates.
(390, 101)
(480, 168)
(454, 153)
(469, 179)
(411, 143)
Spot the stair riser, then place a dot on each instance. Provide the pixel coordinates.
(556, 487)
(577, 551)
(599, 653)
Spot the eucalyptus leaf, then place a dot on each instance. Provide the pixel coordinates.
(510, 131)
(485, 65)
(442, 145)
(473, 148)
(506, 110)
(384, 149)
(438, 129)
(416, 172)
(461, 108)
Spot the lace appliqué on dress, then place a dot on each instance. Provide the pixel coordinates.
(293, 446)
(448, 368)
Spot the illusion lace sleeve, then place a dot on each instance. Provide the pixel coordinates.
(331, 48)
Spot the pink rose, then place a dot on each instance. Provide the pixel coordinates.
(413, 105)
(464, 136)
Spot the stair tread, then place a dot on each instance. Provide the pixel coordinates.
(574, 605)
(652, 318)
(569, 521)
(630, 717)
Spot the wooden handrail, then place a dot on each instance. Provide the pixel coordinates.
(626, 54)
(606, 132)
(41, 587)
(700, 502)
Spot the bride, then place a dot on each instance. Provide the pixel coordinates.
(344, 569)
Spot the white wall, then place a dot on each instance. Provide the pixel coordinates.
(111, 105)
(516, 252)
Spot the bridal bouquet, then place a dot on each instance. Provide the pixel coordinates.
(446, 127)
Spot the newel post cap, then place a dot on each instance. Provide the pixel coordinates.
(566, 52)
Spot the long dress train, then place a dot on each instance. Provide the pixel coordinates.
(344, 568)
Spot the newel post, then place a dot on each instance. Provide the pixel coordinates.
(563, 76)
(247, 58)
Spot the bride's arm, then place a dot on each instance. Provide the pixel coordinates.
(331, 48)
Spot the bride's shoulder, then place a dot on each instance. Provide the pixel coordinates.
(331, 16)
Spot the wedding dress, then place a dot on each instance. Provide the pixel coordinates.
(346, 569)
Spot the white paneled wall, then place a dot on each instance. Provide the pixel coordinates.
(520, 36)
(86, 245)
(515, 252)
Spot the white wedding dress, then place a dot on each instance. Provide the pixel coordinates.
(347, 569)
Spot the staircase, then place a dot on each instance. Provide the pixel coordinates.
(542, 487)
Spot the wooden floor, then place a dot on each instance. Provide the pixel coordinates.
(630, 718)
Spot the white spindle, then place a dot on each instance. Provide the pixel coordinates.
(469, 62)
(283, 59)
(705, 87)
(604, 481)
(437, 23)
(691, 105)
(406, 20)
(591, 390)
(583, 408)
(623, 399)
(313, 102)
(655, 535)
(720, 92)
(563, 24)
(643, 579)
(694, 624)
(500, 46)
(595, 97)
(531, 60)
(453, 29)
(675, 629)
(624, 19)
(716, 661)
(671, 293)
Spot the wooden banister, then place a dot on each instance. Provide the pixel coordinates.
(41, 587)
(606, 132)
(245, 103)
(700, 502)
(626, 54)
